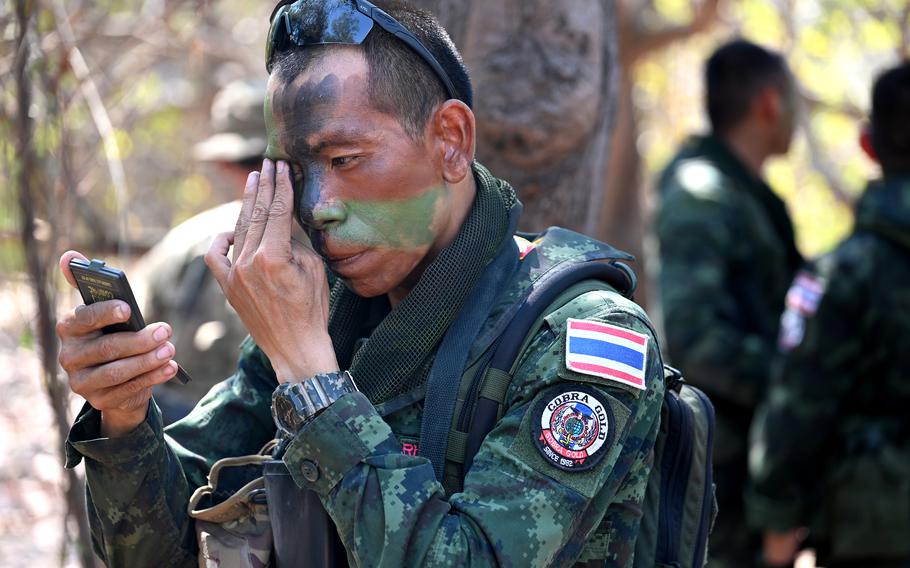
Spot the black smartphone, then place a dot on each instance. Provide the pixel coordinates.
(97, 283)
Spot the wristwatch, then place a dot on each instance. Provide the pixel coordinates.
(295, 404)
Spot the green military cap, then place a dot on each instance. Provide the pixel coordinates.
(238, 125)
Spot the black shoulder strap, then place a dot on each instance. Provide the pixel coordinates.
(496, 378)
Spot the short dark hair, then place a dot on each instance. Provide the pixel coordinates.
(734, 75)
(401, 82)
(891, 119)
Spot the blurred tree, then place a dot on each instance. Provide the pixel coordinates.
(32, 191)
(623, 215)
(545, 77)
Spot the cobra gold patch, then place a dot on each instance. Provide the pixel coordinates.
(573, 429)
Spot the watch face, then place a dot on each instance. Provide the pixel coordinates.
(287, 414)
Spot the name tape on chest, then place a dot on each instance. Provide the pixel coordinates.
(608, 351)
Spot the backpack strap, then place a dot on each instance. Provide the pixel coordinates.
(492, 382)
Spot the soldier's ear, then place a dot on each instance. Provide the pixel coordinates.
(453, 131)
(865, 142)
(768, 105)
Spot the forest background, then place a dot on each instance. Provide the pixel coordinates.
(580, 102)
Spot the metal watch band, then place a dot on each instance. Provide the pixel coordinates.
(320, 391)
(294, 404)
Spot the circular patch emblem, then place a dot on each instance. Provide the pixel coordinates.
(573, 429)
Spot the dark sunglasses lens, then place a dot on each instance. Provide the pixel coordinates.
(315, 23)
(334, 21)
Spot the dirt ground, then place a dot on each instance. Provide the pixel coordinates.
(31, 467)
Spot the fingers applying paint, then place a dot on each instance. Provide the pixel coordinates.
(259, 216)
(277, 235)
(243, 220)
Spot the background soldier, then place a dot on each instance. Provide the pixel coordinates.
(728, 255)
(180, 288)
(831, 447)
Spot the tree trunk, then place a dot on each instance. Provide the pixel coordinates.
(545, 81)
(26, 170)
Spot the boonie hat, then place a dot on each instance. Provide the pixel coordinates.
(238, 125)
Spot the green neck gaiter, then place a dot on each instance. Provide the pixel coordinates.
(397, 357)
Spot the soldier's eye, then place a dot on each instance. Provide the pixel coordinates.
(342, 161)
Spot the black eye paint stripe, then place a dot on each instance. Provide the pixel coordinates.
(303, 110)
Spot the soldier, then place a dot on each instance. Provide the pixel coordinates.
(831, 450)
(180, 288)
(727, 257)
(371, 147)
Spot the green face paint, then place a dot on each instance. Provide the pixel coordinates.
(394, 224)
(273, 149)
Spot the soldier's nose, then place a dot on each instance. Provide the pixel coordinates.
(318, 208)
(326, 213)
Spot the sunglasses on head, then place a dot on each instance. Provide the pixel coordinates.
(319, 22)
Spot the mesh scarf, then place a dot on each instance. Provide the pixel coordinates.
(398, 355)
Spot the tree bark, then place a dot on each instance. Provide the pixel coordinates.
(26, 169)
(545, 83)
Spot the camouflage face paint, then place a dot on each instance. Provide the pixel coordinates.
(371, 198)
(295, 111)
(398, 224)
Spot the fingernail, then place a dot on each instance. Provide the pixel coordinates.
(164, 352)
(280, 167)
(160, 334)
(122, 311)
(171, 369)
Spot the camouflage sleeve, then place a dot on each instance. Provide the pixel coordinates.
(138, 486)
(802, 406)
(522, 504)
(698, 233)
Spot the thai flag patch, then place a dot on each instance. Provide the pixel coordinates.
(802, 302)
(607, 351)
(806, 293)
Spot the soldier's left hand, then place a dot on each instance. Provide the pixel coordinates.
(278, 286)
(781, 548)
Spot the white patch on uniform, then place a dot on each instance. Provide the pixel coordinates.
(574, 427)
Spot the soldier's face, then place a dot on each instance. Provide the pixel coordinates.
(372, 199)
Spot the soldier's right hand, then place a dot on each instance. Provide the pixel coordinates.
(114, 372)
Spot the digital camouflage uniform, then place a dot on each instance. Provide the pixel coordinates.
(831, 444)
(516, 508)
(727, 258)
